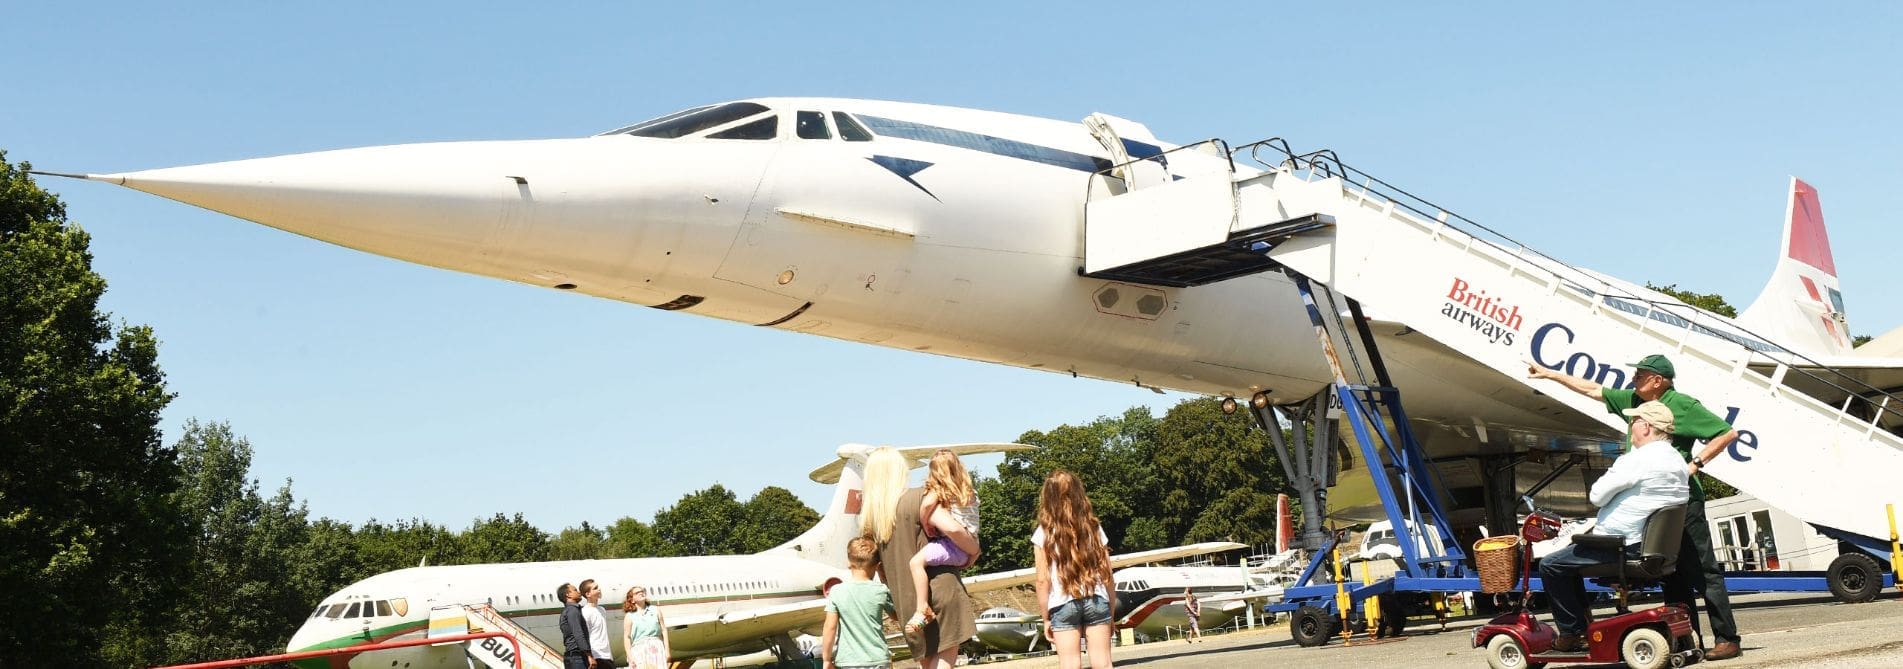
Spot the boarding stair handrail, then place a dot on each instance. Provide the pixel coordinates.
(1221, 150)
(531, 646)
(1325, 164)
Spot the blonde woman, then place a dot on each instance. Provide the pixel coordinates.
(890, 516)
(643, 632)
(1073, 572)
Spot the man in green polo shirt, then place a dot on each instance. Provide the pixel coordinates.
(1698, 570)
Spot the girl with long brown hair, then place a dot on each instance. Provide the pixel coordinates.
(1073, 572)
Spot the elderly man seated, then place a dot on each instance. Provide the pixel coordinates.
(1650, 476)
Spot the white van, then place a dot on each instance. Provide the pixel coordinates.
(1379, 542)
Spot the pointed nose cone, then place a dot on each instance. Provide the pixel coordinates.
(429, 203)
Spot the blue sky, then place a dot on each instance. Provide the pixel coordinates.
(1651, 142)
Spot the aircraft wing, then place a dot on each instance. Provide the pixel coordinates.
(1269, 593)
(755, 623)
(1016, 577)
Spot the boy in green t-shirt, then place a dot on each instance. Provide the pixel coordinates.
(856, 611)
(1698, 571)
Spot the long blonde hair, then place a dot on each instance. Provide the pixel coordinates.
(1071, 535)
(948, 479)
(885, 475)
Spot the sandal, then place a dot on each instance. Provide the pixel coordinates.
(916, 623)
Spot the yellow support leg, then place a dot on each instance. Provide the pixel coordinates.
(1372, 606)
(1342, 601)
(1896, 555)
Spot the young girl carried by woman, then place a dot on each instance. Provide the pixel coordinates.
(948, 491)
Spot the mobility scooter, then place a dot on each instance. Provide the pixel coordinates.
(1648, 639)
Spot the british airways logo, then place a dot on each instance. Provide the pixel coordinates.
(1550, 344)
(1486, 314)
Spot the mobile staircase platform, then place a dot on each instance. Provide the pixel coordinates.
(1349, 240)
(452, 620)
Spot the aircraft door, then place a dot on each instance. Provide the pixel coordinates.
(1128, 141)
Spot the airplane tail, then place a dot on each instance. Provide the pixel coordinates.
(1802, 306)
(826, 541)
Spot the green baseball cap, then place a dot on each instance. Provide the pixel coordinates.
(1656, 364)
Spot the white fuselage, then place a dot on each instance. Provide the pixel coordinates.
(952, 231)
(680, 587)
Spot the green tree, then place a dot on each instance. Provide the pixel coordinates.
(772, 517)
(579, 543)
(629, 538)
(239, 599)
(702, 523)
(502, 539)
(407, 543)
(1711, 302)
(1221, 477)
(90, 545)
(1111, 455)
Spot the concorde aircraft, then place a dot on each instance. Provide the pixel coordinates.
(713, 605)
(963, 233)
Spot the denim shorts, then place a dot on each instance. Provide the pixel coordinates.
(1080, 613)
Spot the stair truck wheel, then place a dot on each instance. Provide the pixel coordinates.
(1503, 652)
(1645, 648)
(1854, 578)
(1312, 626)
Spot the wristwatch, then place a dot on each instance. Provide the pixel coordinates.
(1699, 461)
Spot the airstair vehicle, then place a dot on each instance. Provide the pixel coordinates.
(460, 619)
(1349, 240)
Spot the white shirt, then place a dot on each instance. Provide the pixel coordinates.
(1647, 478)
(1057, 595)
(597, 631)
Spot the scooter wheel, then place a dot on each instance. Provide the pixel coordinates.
(1504, 652)
(1646, 648)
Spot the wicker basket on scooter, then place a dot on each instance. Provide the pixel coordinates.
(1499, 561)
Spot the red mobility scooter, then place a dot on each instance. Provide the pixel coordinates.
(1648, 639)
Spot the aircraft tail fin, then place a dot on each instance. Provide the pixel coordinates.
(826, 541)
(1802, 306)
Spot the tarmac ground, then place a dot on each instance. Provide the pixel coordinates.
(1779, 630)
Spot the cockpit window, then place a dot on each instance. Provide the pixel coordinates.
(764, 128)
(811, 125)
(336, 610)
(849, 128)
(626, 128)
(352, 612)
(681, 124)
(383, 608)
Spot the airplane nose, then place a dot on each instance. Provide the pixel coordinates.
(434, 204)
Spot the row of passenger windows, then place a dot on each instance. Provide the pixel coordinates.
(386, 607)
(807, 124)
(362, 609)
(659, 592)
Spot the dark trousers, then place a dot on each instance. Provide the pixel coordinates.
(573, 661)
(1566, 589)
(1698, 574)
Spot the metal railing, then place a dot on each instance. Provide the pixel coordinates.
(387, 645)
(1220, 150)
